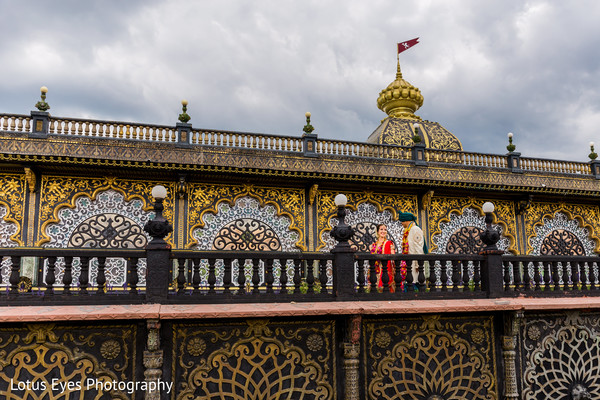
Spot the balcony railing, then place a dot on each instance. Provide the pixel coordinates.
(226, 276)
(199, 137)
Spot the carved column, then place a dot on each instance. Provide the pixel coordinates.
(509, 354)
(153, 359)
(351, 360)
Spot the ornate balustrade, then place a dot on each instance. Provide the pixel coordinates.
(79, 276)
(551, 275)
(15, 123)
(169, 134)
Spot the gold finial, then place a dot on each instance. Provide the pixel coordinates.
(592, 154)
(308, 128)
(184, 117)
(400, 99)
(511, 147)
(42, 105)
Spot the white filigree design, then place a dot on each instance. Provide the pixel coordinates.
(7, 229)
(470, 218)
(108, 203)
(580, 237)
(219, 229)
(565, 363)
(245, 208)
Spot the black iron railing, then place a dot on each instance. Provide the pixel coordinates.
(78, 276)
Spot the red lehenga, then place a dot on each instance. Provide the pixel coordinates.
(385, 248)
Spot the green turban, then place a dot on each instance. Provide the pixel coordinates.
(406, 216)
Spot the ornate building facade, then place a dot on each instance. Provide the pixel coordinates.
(70, 183)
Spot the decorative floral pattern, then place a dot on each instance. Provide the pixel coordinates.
(314, 342)
(560, 222)
(196, 346)
(110, 349)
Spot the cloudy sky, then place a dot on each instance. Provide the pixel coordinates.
(485, 68)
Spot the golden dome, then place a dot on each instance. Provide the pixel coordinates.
(400, 99)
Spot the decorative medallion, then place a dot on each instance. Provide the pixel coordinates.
(314, 342)
(110, 349)
(196, 346)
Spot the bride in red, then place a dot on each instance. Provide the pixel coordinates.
(384, 246)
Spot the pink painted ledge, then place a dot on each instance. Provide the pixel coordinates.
(262, 310)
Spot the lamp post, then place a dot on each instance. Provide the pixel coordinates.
(343, 261)
(159, 227)
(491, 235)
(158, 251)
(492, 278)
(342, 232)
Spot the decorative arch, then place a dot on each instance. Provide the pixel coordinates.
(59, 193)
(207, 199)
(460, 234)
(561, 235)
(247, 225)
(106, 221)
(446, 216)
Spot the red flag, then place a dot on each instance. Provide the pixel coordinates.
(407, 45)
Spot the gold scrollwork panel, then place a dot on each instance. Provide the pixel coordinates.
(52, 361)
(430, 357)
(205, 198)
(441, 208)
(587, 217)
(12, 197)
(394, 203)
(58, 192)
(560, 356)
(258, 359)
